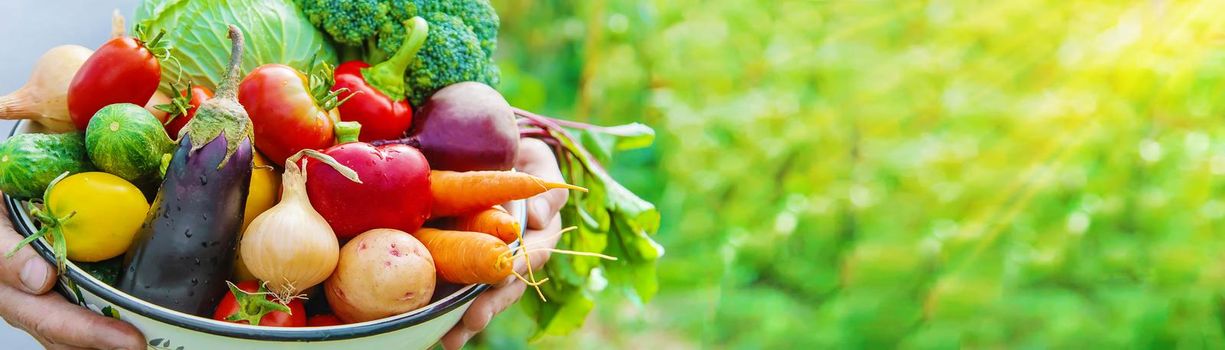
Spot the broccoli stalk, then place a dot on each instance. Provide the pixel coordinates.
(388, 77)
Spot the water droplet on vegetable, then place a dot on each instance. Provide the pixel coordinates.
(197, 261)
(203, 180)
(187, 233)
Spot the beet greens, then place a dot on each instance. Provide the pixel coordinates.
(611, 220)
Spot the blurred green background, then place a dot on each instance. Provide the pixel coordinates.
(916, 174)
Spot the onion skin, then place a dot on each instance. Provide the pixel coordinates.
(44, 97)
(290, 245)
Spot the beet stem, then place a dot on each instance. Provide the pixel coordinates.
(554, 129)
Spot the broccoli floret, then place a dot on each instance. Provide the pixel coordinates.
(354, 22)
(451, 54)
(479, 15)
(459, 47)
(349, 22)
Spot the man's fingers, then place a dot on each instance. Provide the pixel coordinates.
(483, 309)
(56, 321)
(456, 338)
(24, 270)
(536, 158)
(53, 346)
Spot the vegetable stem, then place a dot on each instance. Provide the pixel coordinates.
(388, 77)
(347, 132)
(551, 125)
(229, 86)
(253, 306)
(347, 172)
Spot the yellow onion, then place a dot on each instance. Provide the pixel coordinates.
(290, 246)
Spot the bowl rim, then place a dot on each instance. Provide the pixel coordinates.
(204, 325)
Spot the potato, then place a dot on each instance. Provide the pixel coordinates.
(381, 272)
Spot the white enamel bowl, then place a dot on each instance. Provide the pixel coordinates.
(168, 329)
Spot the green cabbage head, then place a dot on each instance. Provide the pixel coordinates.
(275, 32)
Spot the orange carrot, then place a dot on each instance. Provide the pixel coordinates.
(495, 221)
(457, 193)
(467, 257)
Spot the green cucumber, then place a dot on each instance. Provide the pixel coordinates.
(28, 162)
(126, 140)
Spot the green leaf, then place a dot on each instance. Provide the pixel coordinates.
(565, 310)
(631, 136)
(634, 273)
(605, 141)
(610, 219)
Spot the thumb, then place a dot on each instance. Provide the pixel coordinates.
(59, 322)
(24, 270)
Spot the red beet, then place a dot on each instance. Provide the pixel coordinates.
(465, 127)
(394, 193)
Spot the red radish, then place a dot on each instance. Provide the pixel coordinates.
(464, 127)
(394, 193)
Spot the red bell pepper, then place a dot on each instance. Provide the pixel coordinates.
(376, 93)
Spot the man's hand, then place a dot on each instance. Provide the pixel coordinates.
(25, 279)
(543, 223)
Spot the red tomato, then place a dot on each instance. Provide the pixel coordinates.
(322, 320)
(251, 306)
(123, 70)
(285, 115)
(381, 117)
(193, 97)
(394, 193)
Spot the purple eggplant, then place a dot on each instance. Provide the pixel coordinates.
(185, 250)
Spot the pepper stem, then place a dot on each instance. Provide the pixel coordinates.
(388, 77)
(347, 132)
